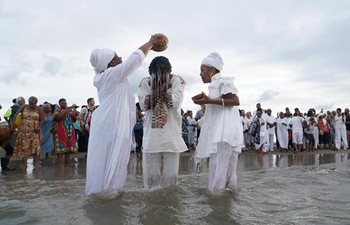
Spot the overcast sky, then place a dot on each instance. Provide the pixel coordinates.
(281, 53)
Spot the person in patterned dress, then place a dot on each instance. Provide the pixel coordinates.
(64, 134)
(29, 133)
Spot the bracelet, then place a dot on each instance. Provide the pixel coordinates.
(223, 102)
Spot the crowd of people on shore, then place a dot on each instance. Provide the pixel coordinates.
(308, 131)
(56, 129)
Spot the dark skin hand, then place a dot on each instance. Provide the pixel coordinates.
(229, 100)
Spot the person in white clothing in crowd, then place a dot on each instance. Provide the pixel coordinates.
(161, 96)
(221, 136)
(192, 129)
(110, 142)
(250, 138)
(244, 122)
(309, 125)
(296, 123)
(282, 131)
(340, 130)
(271, 125)
(259, 132)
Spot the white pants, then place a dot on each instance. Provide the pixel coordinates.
(160, 169)
(297, 137)
(222, 168)
(246, 140)
(271, 136)
(340, 133)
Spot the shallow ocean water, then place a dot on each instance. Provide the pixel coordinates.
(272, 189)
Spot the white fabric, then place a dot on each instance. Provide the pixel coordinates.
(316, 136)
(310, 129)
(340, 132)
(297, 137)
(244, 122)
(270, 119)
(111, 128)
(160, 169)
(282, 132)
(213, 60)
(169, 138)
(100, 58)
(220, 124)
(297, 123)
(250, 138)
(222, 167)
(264, 137)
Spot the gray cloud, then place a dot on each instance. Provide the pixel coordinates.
(267, 95)
(271, 47)
(52, 65)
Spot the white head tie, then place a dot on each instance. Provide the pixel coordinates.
(213, 60)
(100, 58)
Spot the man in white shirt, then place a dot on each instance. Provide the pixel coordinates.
(297, 131)
(271, 124)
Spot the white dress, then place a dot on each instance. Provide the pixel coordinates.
(282, 132)
(111, 128)
(221, 136)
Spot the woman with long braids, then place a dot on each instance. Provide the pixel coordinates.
(161, 96)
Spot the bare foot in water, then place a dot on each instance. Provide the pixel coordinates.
(24, 167)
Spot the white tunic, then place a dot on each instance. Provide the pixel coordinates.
(111, 127)
(282, 132)
(169, 138)
(270, 119)
(220, 124)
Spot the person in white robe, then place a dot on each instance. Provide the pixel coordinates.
(110, 142)
(221, 136)
(192, 129)
(282, 131)
(340, 130)
(244, 122)
(161, 96)
(250, 138)
(271, 125)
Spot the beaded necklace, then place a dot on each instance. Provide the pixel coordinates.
(160, 83)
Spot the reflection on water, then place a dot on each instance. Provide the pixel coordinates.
(272, 189)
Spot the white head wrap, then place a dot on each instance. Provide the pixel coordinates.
(213, 60)
(100, 58)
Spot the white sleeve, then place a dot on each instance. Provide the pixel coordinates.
(126, 68)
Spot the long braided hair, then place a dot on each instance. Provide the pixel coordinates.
(159, 70)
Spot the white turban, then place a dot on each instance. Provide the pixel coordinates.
(213, 60)
(100, 58)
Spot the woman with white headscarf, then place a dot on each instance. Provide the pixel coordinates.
(221, 136)
(110, 143)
